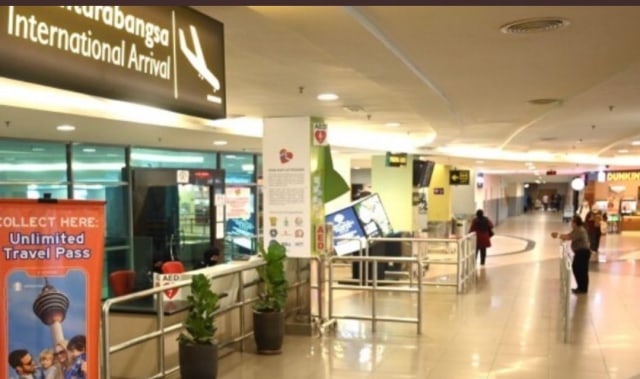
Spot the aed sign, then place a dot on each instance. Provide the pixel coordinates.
(459, 177)
(396, 159)
(621, 176)
(164, 56)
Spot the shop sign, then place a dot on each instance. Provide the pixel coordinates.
(164, 56)
(621, 176)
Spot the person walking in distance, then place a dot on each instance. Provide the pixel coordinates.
(484, 231)
(580, 247)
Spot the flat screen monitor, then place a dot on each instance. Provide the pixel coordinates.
(422, 172)
(372, 216)
(348, 236)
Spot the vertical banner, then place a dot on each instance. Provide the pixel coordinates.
(286, 154)
(51, 278)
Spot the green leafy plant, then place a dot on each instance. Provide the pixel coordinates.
(273, 296)
(200, 323)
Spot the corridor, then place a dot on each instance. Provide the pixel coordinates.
(506, 327)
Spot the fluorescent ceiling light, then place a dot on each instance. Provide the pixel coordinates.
(247, 167)
(623, 151)
(479, 162)
(89, 150)
(392, 124)
(65, 128)
(636, 143)
(167, 158)
(327, 97)
(220, 143)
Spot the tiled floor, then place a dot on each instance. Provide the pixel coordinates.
(506, 327)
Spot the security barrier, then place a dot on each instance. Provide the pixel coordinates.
(374, 289)
(566, 258)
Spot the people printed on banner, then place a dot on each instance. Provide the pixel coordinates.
(580, 247)
(484, 230)
(77, 348)
(64, 361)
(22, 362)
(48, 369)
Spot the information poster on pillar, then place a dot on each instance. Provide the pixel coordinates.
(51, 277)
(286, 152)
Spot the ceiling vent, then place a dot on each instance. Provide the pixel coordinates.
(545, 101)
(353, 108)
(535, 25)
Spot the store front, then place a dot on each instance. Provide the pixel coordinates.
(31, 168)
(619, 196)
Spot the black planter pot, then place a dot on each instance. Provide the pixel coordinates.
(268, 331)
(198, 361)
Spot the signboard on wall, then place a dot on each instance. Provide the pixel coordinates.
(164, 56)
(459, 177)
(51, 275)
(288, 184)
(396, 159)
(621, 176)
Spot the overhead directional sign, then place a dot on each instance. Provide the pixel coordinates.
(459, 177)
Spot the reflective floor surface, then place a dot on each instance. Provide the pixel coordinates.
(508, 326)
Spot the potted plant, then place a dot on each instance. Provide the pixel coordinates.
(268, 315)
(198, 352)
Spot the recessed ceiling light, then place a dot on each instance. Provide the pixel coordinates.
(623, 151)
(635, 143)
(89, 150)
(66, 128)
(356, 168)
(479, 162)
(37, 149)
(220, 143)
(392, 124)
(327, 97)
(528, 164)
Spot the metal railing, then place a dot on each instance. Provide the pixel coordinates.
(162, 330)
(566, 258)
(464, 259)
(374, 289)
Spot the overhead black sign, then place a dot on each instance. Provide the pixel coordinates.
(459, 177)
(396, 159)
(164, 56)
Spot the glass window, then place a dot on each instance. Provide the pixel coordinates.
(143, 157)
(239, 168)
(28, 170)
(240, 202)
(98, 175)
(30, 162)
(95, 163)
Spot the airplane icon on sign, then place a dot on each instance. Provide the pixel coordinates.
(197, 61)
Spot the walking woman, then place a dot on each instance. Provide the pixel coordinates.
(484, 230)
(580, 247)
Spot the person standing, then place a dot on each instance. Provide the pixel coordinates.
(592, 223)
(484, 230)
(580, 247)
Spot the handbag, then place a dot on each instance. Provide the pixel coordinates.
(604, 228)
